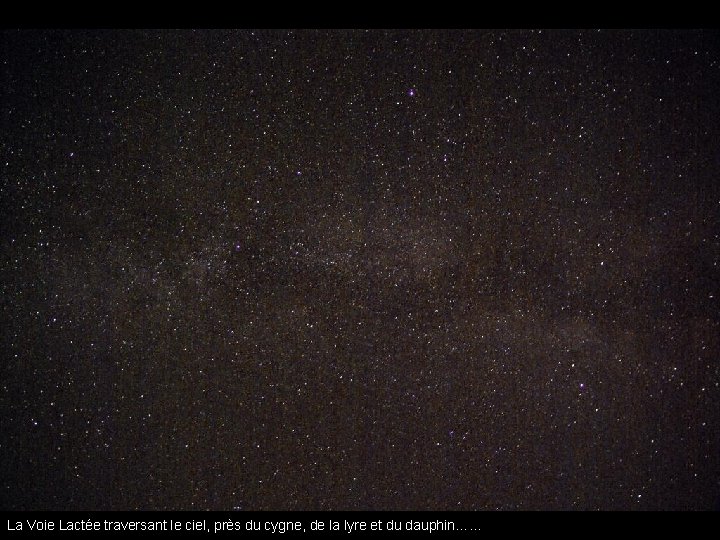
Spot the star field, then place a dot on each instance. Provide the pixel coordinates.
(410, 269)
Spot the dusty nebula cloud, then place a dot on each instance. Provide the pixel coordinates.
(360, 269)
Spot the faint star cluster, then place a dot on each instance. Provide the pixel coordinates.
(413, 269)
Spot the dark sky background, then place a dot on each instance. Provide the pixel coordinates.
(360, 269)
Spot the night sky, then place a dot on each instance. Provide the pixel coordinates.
(375, 269)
